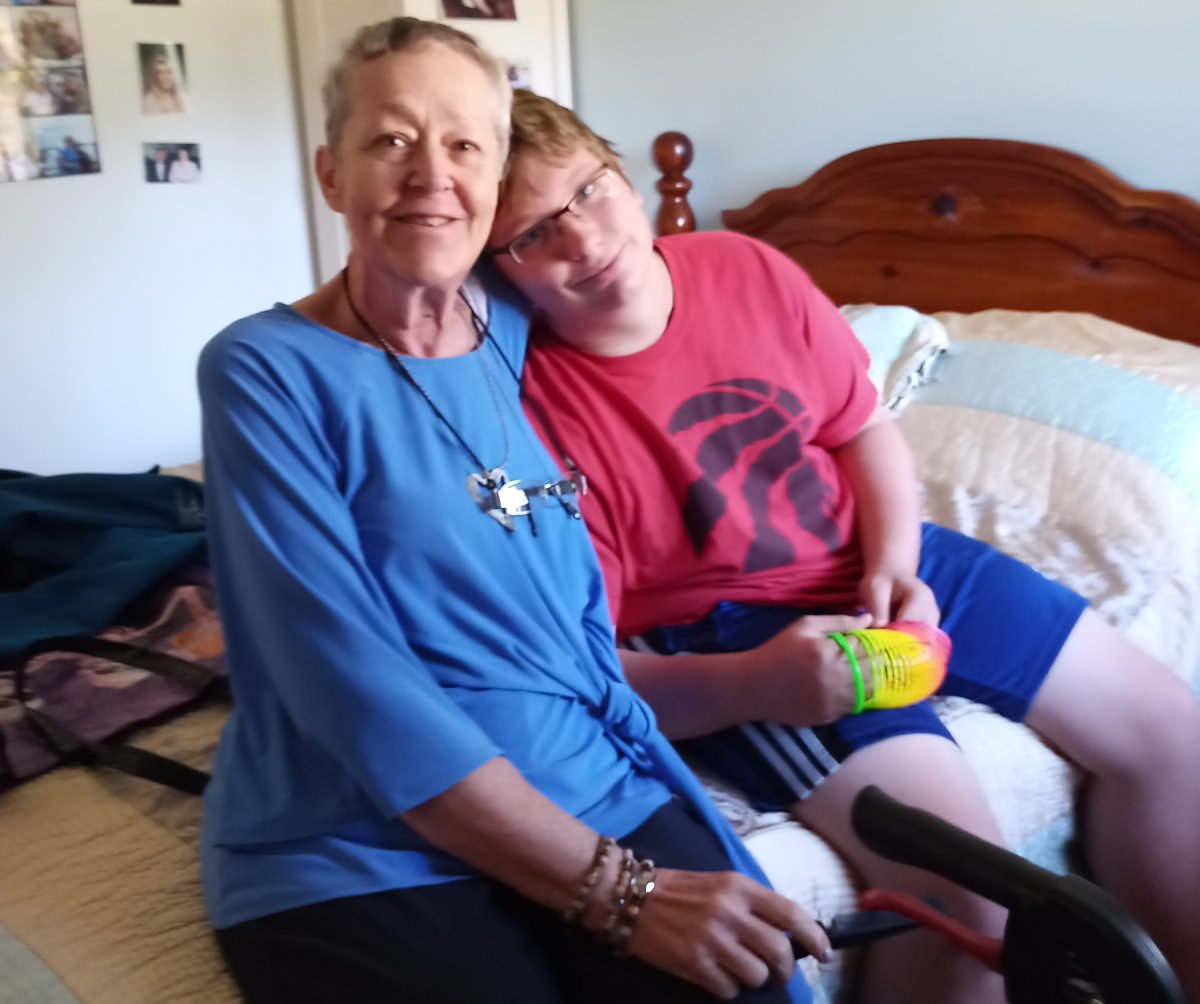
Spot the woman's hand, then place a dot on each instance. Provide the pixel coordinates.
(892, 596)
(800, 677)
(720, 930)
(723, 931)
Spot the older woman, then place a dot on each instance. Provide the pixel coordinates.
(433, 745)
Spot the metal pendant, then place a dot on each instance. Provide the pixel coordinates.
(498, 497)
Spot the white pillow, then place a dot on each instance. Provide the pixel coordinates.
(904, 346)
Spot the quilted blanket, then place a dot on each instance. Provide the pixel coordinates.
(1071, 443)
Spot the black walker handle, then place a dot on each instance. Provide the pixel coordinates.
(1063, 932)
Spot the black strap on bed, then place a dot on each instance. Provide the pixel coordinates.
(120, 756)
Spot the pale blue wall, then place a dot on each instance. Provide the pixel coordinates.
(771, 89)
(109, 287)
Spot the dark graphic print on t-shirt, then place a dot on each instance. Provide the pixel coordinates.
(750, 415)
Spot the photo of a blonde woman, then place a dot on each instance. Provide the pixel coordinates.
(164, 81)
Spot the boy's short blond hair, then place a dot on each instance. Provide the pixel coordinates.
(545, 127)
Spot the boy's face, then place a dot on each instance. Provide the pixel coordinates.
(594, 256)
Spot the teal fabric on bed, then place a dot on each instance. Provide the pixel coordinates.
(1111, 405)
(85, 546)
(27, 979)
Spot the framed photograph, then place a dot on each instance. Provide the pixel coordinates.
(36, 99)
(171, 163)
(46, 125)
(11, 56)
(520, 73)
(48, 35)
(164, 78)
(66, 145)
(58, 91)
(494, 10)
(18, 153)
(69, 90)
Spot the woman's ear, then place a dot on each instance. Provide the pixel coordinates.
(326, 165)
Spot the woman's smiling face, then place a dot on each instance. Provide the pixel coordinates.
(417, 168)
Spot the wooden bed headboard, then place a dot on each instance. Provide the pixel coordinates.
(968, 224)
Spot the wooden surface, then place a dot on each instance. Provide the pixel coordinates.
(968, 224)
(673, 156)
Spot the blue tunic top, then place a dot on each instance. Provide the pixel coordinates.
(385, 636)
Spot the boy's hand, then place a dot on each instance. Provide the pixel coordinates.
(898, 597)
(800, 676)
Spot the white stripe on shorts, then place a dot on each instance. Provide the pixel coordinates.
(785, 767)
(797, 756)
(807, 760)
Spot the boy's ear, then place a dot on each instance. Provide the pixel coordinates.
(326, 165)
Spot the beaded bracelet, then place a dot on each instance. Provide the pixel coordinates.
(590, 878)
(624, 874)
(635, 885)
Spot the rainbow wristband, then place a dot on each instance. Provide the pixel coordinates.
(860, 693)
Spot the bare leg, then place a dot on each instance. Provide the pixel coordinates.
(930, 773)
(1135, 728)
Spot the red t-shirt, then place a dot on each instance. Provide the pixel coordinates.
(708, 454)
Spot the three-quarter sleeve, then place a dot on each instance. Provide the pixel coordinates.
(309, 628)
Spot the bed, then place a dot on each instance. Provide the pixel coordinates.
(1035, 322)
(1072, 440)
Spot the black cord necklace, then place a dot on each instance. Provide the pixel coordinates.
(489, 487)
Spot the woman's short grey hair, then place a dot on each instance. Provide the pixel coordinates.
(397, 35)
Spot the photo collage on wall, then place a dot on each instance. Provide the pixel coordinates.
(46, 124)
(162, 70)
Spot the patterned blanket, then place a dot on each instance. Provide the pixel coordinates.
(98, 698)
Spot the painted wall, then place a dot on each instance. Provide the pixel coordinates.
(109, 286)
(771, 90)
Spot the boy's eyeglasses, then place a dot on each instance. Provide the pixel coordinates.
(536, 241)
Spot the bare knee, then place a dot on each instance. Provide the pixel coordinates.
(1170, 743)
(1156, 740)
(1115, 711)
(924, 771)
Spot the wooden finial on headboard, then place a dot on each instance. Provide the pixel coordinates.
(673, 156)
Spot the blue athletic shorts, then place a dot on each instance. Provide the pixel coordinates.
(1007, 622)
